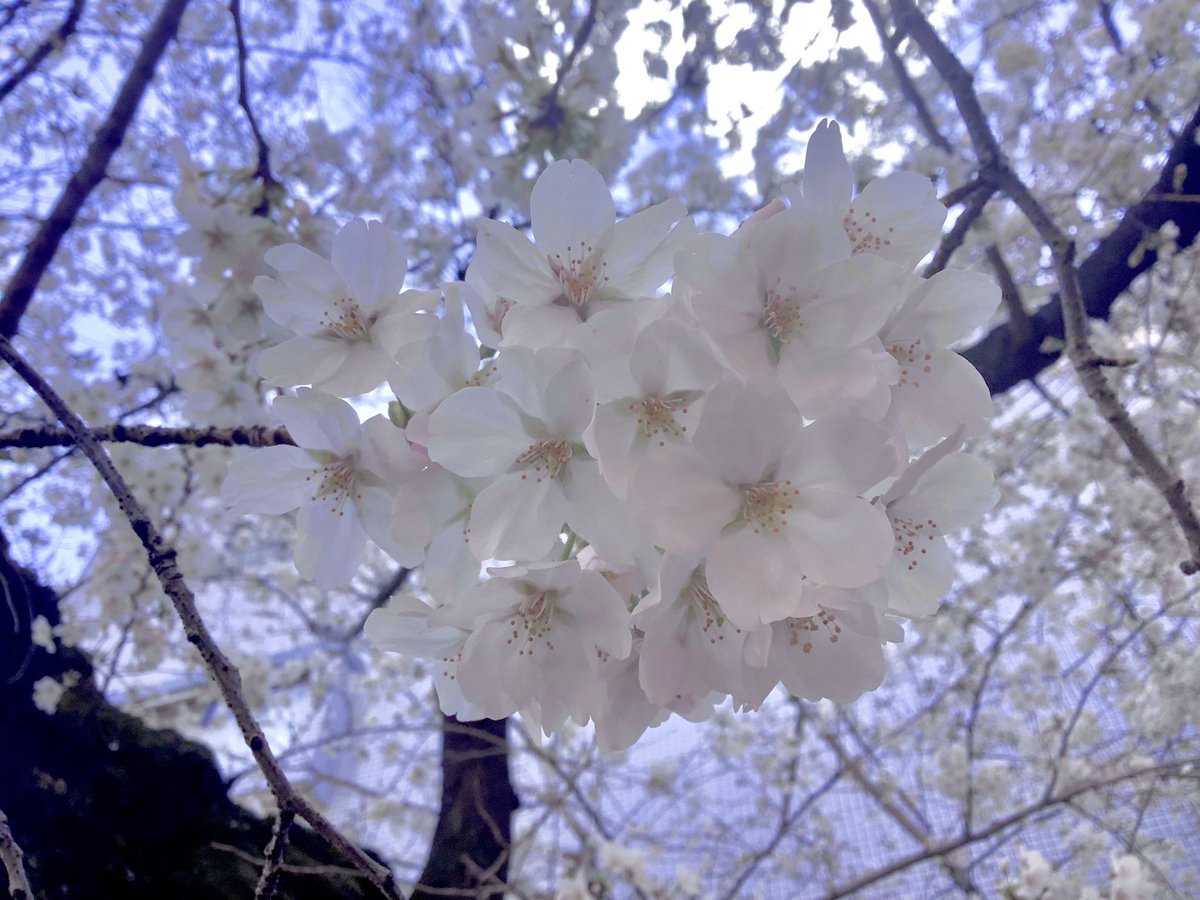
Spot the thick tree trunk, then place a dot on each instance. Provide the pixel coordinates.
(104, 806)
(474, 828)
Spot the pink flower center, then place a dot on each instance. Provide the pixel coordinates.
(911, 537)
(782, 311)
(579, 274)
(864, 232)
(657, 417)
(766, 506)
(347, 320)
(335, 483)
(546, 458)
(532, 622)
(915, 362)
(802, 632)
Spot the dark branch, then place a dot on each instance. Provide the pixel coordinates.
(90, 173)
(956, 235)
(1109, 269)
(262, 170)
(45, 48)
(151, 436)
(907, 87)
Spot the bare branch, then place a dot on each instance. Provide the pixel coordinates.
(162, 559)
(44, 49)
(907, 87)
(262, 170)
(268, 881)
(90, 173)
(1174, 768)
(1075, 320)
(1010, 296)
(957, 234)
(151, 436)
(14, 863)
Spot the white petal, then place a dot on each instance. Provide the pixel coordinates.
(372, 260)
(302, 360)
(507, 265)
(681, 502)
(273, 480)
(570, 209)
(318, 421)
(639, 257)
(842, 454)
(839, 540)
(754, 577)
(329, 544)
(937, 393)
(897, 217)
(956, 491)
(945, 308)
(745, 429)
(477, 432)
(517, 517)
(828, 183)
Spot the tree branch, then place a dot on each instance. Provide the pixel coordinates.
(162, 559)
(262, 170)
(268, 881)
(150, 436)
(1075, 325)
(14, 863)
(90, 173)
(54, 42)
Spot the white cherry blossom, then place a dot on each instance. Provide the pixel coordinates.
(348, 313)
(897, 217)
(538, 637)
(937, 390)
(770, 504)
(581, 260)
(341, 477)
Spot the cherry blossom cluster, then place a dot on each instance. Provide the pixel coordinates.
(629, 504)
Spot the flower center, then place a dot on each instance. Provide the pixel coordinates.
(579, 275)
(546, 458)
(707, 610)
(765, 506)
(910, 536)
(864, 232)
(335, 483)
(782, 311)
(347, 320)
(802, 631)
(655, 417)
(533, 621)
(914, 362)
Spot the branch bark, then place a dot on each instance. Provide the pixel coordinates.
(150, 436)
(162, 559)
(14, 863)
(1073, 309)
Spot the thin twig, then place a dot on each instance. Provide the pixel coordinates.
(907, 87)
(268, 881)
(14, 863)
(262, 168)
(162, 559)
(958, 233)
(1085, 360)
(151, 436)
(1010, 295)
(54, 42)
(1174, 768)
(91, 171)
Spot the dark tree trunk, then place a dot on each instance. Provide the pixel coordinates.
(104, 806)
(474, 828)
